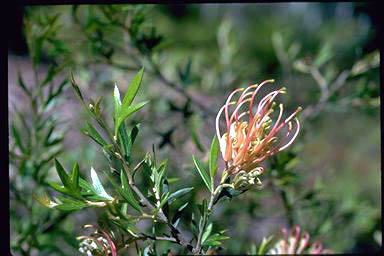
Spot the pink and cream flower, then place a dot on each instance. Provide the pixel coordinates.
(296, 242)
(250, 137)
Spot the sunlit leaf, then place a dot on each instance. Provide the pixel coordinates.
(133, 88)
(98, 187)
(178, 193)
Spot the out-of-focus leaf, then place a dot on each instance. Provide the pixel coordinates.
(17, 138)
(58, 92)
(371, 60)
(196, 140)
(20, 82)
(76, 88)
(324, 55)
(264, 245)
(44, 200)
(202, 172)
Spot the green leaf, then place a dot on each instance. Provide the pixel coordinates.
(163, 201)
(369, 61)
(178, 214)
(264, 245)
(324, 55)
(126, 226)
(57, 187)
(127, 111)
(44, 200)
(20, 82)
(206, 233)
(214, 152)
(98, 187)
(75, 177)
(76, 88)
(85, 185)
(203, 173)
(131, 139)
(133, 88)
(196, 140)
(124, 139)
(94, 134)
(126, 192)
(69, 204)
(17, 138)
(116, 101)
(179, 193)
(53, 95)
(62, 174)
(215, 239)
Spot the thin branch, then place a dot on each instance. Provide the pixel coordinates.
(314, 109)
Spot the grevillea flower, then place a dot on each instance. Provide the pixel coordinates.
(250, 137)
(297, 243)
(98, 243)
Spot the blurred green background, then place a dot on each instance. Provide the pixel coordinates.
(208, 50)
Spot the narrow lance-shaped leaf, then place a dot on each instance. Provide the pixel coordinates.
(69, 204)
(213, 158)
(75, 177)
(125, 112)
(22, 85)
(44, 200)
(131, 139)
(206, 233)
(179, 193)
(196, 140)
(94, 134)
(203, 173)
(17, 138)
(62, 174)
(98, 187)
(133, 88)
(116, 101)
(76, 88)
(127, 192)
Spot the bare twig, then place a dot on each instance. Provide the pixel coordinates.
(327, 92)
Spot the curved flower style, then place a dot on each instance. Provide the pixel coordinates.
(297, 243)
(98, 243)
(249, 141)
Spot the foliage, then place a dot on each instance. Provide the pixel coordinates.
(187, 203)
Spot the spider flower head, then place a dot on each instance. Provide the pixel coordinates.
(296, 242)
(98, 243)
(251, 135)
